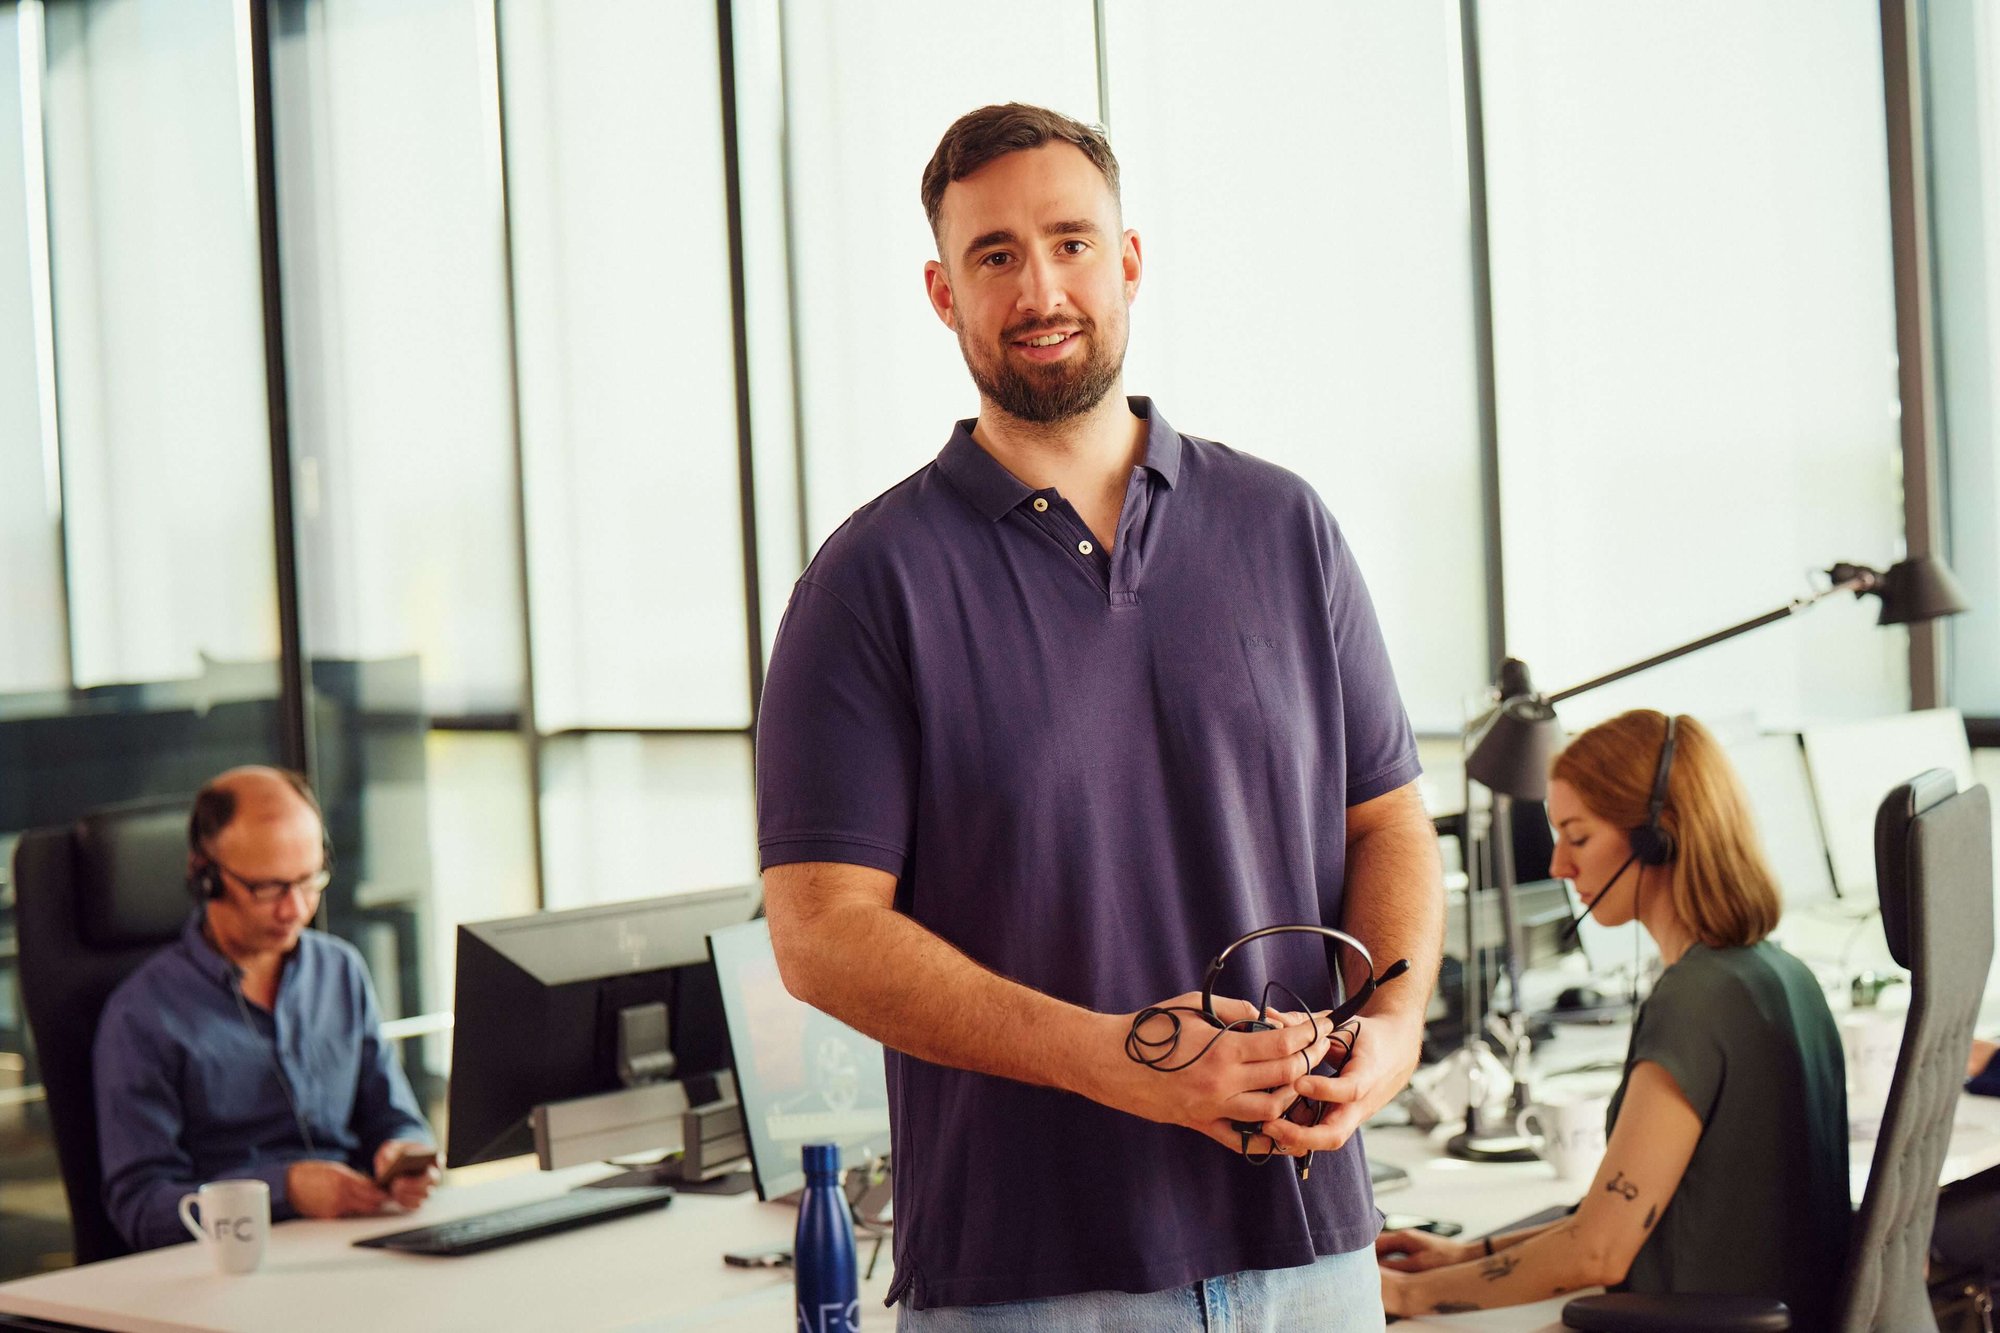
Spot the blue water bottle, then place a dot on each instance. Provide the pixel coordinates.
(829, 1284)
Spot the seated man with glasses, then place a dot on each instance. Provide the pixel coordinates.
(251, 1047)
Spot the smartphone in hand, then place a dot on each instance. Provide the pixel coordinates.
(409, 1162)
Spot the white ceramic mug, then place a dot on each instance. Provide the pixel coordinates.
(1568, 1135)
(235, 1220)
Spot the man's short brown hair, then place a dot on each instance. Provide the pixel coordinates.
(978, 137)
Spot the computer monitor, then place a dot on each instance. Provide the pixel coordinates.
(801, 1076)
(1773, 772)
(1541, 913)
(541, 1001)
(1855, 764)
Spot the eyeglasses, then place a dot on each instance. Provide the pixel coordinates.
(267, 891)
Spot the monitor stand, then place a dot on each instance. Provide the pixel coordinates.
(701, 1148)
(739, 1181)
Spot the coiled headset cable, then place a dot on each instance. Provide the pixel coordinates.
(1342, 1025)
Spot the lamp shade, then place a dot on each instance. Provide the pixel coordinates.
(1919, 589)
(1512, 755)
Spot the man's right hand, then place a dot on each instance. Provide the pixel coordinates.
(1228, 1083)
(331, 1189)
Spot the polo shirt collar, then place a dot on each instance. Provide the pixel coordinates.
(994, 491)
(1163, 442)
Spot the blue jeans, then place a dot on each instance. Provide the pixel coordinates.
(1342, 1293)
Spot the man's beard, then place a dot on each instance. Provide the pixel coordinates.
(1057, 391)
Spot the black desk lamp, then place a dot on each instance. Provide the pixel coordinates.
(1514, 743)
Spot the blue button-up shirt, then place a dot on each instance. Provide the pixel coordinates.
(189, 1083)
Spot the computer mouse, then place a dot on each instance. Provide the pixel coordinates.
(1580, 997)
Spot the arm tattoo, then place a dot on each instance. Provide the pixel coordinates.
(1454, 1307)
(1499, 1266)
(1652, 1216)
(1619, 1185)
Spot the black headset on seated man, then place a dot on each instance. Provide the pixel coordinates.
(204, 878)
(213, 809)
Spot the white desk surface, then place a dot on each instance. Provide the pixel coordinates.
(663, 1271)
(652, 1273)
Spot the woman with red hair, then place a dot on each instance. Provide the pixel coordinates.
(1725, 1168)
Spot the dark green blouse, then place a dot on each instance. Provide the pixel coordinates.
(1763, 1208)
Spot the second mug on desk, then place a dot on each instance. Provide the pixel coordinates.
(1568, 1134)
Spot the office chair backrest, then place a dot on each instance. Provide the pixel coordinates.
(93, 901)
(1934, 872)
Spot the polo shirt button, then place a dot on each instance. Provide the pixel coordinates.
(1041, 505)
(1085, 547)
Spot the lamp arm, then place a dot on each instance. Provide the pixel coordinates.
(1860, 580)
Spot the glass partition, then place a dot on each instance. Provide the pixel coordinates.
(1695, 344)
(870, 90)
(1307, 295)
(623, 321)
(139, 653)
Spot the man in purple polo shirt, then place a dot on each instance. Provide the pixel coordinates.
(1047, 726)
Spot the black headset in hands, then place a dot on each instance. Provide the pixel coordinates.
(1159, 1052)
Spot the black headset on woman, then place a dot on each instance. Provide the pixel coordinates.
(1652, 844)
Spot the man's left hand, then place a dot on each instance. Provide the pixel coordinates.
(409, 1191)
(1385, 1055)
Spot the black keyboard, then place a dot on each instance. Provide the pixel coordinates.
(524, 1221)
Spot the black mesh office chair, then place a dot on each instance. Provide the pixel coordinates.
(92, 901)
(1934, 872)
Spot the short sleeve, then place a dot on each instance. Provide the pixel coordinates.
(1381, 747)
(1684, 1043)
(836, 741)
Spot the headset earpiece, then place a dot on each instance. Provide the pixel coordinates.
(1652, 845)
(203, 883)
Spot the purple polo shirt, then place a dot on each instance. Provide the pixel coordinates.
(1089, 771)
